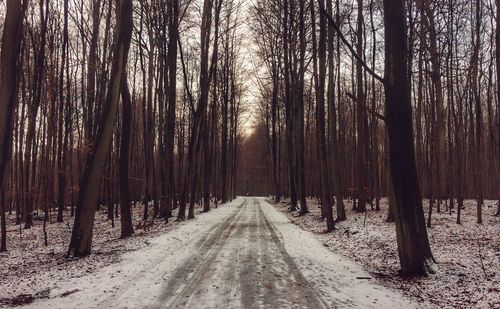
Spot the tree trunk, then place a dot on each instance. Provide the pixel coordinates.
(127, 228)
(274, 139)
(360, 117)
(209, 131)
(63, 140)
(478, 182)
(497, 58)
(289, 115)
(30, 154)
(300, 146)
(81, 237)
(413, 244)
(9, 58)
(335, 152)
(326, 201)
(91, 73)
(440, 121)
(3, 223)
(172, 100)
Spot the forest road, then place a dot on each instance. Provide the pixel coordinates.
(245, 254)
(241, 263)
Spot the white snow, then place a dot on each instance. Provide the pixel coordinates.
(461, 252)
(334, 276)
(244, 253)
(138, 278)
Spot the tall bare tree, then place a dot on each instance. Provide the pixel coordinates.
(9, 73)
(414, 250)
(81, 237)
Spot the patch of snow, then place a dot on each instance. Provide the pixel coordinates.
(461, 251)
(341, 281)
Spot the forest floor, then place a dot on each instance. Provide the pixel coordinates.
(467, 255)
(242, 254)
(28, 268)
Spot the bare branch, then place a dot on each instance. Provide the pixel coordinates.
(349, 46)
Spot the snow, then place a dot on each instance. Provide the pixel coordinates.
(244, 253)
(339, 280)
(460, 251)
(29, 270)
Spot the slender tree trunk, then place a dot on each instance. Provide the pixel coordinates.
(224, 126)
(300, 147)
(91, 73)
(172, 101)
(127, 228)
(81, 237)
(478, 111)
(274, 139)
(440, 134)
(332, 111)
(63, 140)
(360, 117)
(289, 115)
(30, 154)
(497, 58)
(209, 132)
(320, 117)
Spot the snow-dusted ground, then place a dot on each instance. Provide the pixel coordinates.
(29, 269)
(468, 255)
(243, 254)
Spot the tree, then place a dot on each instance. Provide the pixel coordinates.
(81, 237)
(439, 160)
(127, 228)
(173, 31)
(63, 137)
(478, 129)
(413, 244)
(199, 118)
(30, 154)
(360, 116)
(497, 58)
(9, 62)
(332, 111)
(320, 80)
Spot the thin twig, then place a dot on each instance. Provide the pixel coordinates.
(374, 113)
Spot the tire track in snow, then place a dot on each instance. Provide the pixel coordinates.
(248, 275)
(154, 267)
(182, 285)
(305, 291)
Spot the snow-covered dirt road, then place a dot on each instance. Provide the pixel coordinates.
(244, 254)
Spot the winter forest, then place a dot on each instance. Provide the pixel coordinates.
(250, 153)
